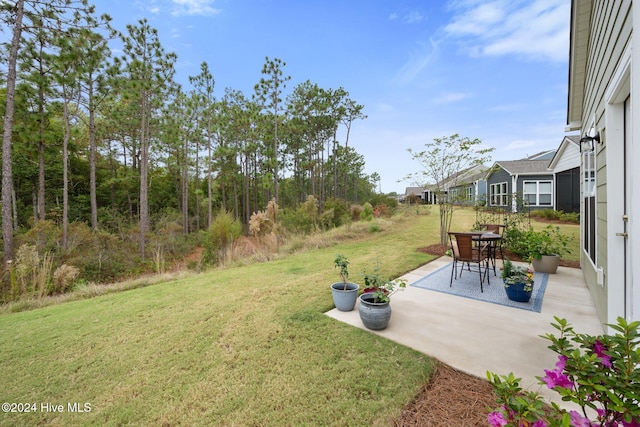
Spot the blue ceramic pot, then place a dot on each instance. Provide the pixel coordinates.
(517, 293)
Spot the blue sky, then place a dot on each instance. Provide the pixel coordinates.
(489, 69)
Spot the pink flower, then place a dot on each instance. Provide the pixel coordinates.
(496, 419)
(635, 422)
(562, 362)
(599, 349)
(556, 378)
(578, 420)
(539, 423)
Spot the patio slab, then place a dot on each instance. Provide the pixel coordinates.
(475, 337)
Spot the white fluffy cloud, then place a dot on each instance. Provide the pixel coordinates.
(193, 7)
(537, 30)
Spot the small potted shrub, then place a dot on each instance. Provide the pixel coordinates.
(545, 247)
(374, 308)
(518, 281)
(345, 293)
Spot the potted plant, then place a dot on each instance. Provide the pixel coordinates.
(345, 293)
(374, 308)
(545, 248)
(518, 281)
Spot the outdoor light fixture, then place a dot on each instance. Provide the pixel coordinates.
(587, 142)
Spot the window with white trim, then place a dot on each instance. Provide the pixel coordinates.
(498, 194)
(589, 195)
(470, 193)
(538, 193)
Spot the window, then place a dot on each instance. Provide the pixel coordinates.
(589, 194)
(498, 194)
(470, 193)
(538, 193)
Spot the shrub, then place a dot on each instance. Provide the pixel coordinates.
(63, 279)
(534, 244)
(339, 209)
(356, 212)
(304, 219)
(378, 200)
(221, 237)
(599, 374)
(367, 212)
(31, 272)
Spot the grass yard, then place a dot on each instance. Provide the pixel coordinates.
(243, 345)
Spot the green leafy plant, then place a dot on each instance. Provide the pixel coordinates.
(600, 374)
(512, 274)
(534, 244)
(381, 286)
(342, 263)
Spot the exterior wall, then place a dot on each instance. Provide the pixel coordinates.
(569, 159)
(567, 190)
(609, 36)
(543, 177)
(496, 177)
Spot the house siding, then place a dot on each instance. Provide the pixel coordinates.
(497, 176)
(610, 33)
(542, 177)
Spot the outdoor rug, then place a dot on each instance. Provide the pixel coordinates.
(468, 286)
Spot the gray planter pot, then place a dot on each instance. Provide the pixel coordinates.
(344, 300)
(374, 315)
(546, 264)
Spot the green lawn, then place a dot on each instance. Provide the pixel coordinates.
(244, 345)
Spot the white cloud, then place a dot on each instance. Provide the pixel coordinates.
(413, 17)
(450, 97)
(506, 108)
(193, 7)
(407, 18)
(537, 30)
(417, 62)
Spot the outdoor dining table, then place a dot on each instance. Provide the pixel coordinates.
(492, 240)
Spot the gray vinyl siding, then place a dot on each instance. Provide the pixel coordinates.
(498, 176)
(610, 32)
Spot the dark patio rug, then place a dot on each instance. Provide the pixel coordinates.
(468, 286)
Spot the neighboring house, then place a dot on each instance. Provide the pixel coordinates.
(411, 193)
(604, 94)
(565, 167)
(472, 188)
(529, 178)
(467, 186)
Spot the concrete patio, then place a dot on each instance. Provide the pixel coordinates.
(475, 337)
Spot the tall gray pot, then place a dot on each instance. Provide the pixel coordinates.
(547, 264)
(374, 315)
(344, 300)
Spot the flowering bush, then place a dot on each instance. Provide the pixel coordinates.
(600, 374)
(512, 274)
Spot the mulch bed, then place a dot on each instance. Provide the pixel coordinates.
(451, 398)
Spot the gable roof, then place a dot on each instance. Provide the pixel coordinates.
(414, 190)
(570, 146)
(543, 155)
(465, 176)
(523, 167)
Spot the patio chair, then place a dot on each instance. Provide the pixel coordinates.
(468, 248)
(496, 245)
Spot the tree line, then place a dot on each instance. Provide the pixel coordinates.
(93, 137)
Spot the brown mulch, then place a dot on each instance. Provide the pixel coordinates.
(451, 398)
